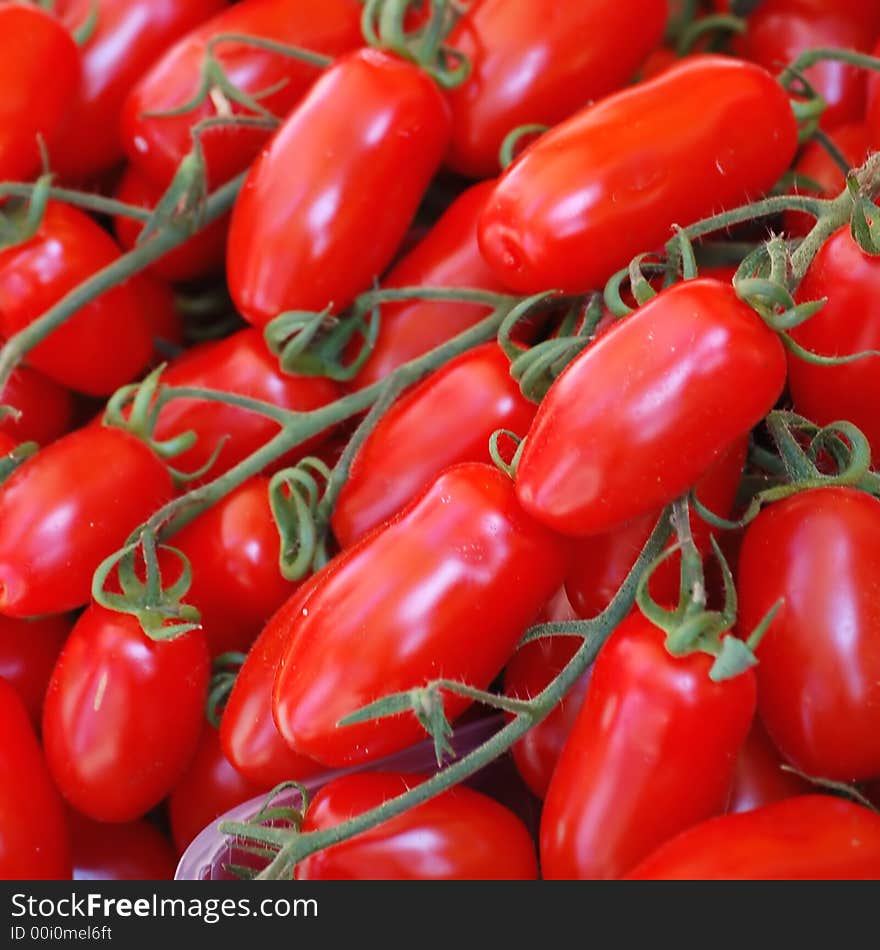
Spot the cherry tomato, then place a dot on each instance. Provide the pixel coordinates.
(759, 778)
(128, 37)
(134, 851)
(123, 714)
(463, 556)
(107, 343)
(422, 434)
(239, 364)
(461, 835)
(233, 551)
(28, 650)
(46, 408)
(611, 181)
(67, 508)
(209, 788)
(326, 205)
(642, 414)
(538, 63)
(652, 752)
(201, 256)
(34, 840)
(157, 144)
(819, 662)
(848, 323)
(811, 837)
(448, 256)
(36, 100)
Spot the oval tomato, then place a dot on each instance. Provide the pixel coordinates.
(134, 851)
(326, 205)
(463, 556)
(461, 835)
(28, 650)
(642, 414)
(34, 839)
(652, 752)
(157, 144)
(123, 714)
(819, 662)
(811, 837)
(422, 434)
(611, 181)
(538, 63)
(66, 509)
(107, 343)
(46, 408)
(759, 778)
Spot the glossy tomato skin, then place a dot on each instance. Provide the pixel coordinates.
(233, 551)
(201, 256)
(601, 563)
(642, 414)
(463, 835)
(810, 837)
(133, 851)
(128, 37)
(759, 778)
(28, 650)
(819, 662)
(123, 714)
(34, 839)
(334, 192)
(157, 144)
(848, 323)
(610, 182)
(422, 434)
(539, 63)
(66, 509)
(209, 788)
(35, 101)
(239, 364)
(463, 556)
(447, 256)
(652, 752)
(46, 408)
(107, 343)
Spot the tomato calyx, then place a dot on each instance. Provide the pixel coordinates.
(10, 462)
(224, 672)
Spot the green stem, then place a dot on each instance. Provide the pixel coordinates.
(80, 199)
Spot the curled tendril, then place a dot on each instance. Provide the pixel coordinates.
(223, 675)
(295, 495)
(509, 468)
(510, 147)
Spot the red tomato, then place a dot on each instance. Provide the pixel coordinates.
(239, 364)
(533, 667)
(28, 650)
(34, 840)
(641, 415)
(611, 181)
(601, 563)
(248, 734)
(538, 63)
(652, 752)
(233, 551)
(448, 256)
(157, 144)
(811, 837)
(36, 100)
(328, 202)
(201, 256)
(422, 434)
(108, 342)
(123, 714)
(780, 30)
(819, 662)
(464, 556)
(135, 851)
(459, 835)
(209, 788)
(128, 37)
(759, 778)
(848, 323)
(46, 408)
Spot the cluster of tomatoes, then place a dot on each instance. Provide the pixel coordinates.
(332, 524)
